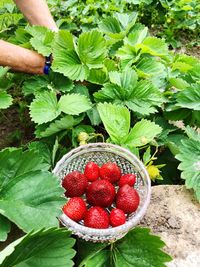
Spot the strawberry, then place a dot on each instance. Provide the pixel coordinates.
(91, 171)
(100, 193)
(111, 172)
(129, 179)
(75, 209)
(96, 217)
(75, 184)
(127, 199)
(117, 217)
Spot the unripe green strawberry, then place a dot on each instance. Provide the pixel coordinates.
(153, 172)
(83, 136)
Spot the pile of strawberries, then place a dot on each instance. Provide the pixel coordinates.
(106, 206)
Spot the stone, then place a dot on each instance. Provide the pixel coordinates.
(174, 215)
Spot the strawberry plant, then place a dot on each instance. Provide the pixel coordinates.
(111, 81)
(5, 84)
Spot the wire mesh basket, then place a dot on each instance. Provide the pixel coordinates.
(102, 153)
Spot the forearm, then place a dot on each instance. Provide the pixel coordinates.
(20, 59)
(37, 13)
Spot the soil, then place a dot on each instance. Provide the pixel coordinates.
(14, 131)
(174, 215)
(12, 236)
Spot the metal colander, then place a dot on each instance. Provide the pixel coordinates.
(102, 153)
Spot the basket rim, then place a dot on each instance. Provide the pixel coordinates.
(114, 230)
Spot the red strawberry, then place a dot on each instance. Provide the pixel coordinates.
(75, 184)
(127, 199)
(100, 193)
(129, 179)
(75, 209)
(117, 217)
(96, 217)
(91, 171)
(111, 172)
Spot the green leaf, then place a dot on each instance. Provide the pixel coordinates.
(182, 66)
(184, 63)
(108, 93)
(87, 250)
(174, 142)
(130, 250)
(189, 156)
(3, 71)
(44, 108)
(68, 63)
(51, 247)
(42, 39)
(110, 64)
(74, 104)
(94, 117)
(126, 20)
(144, 98)
(192, 133)
(149, 67)
(118, 25)
(8, 20)
(126, 80)
(60, 82)
(177, 114)
(101, 259)
(137, 36)
(28, 191)
(190, 97)
(63, 41)
(138, 248)
(5, 100)
(128, 55)
(66, 60)
(81, 90)
(195, 72)
(116, 120)
(14, 162)
(58, 125)
(92, 49)
(178, 83)
(110, 26)
(5, 227)
(142, 133)
(43, 150)
(35, 85)
(154, 46)
(141, 97)
(121, 87)
(97, 76)
(147, 155)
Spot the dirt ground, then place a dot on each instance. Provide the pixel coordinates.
(174, 215)
(14, 131)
